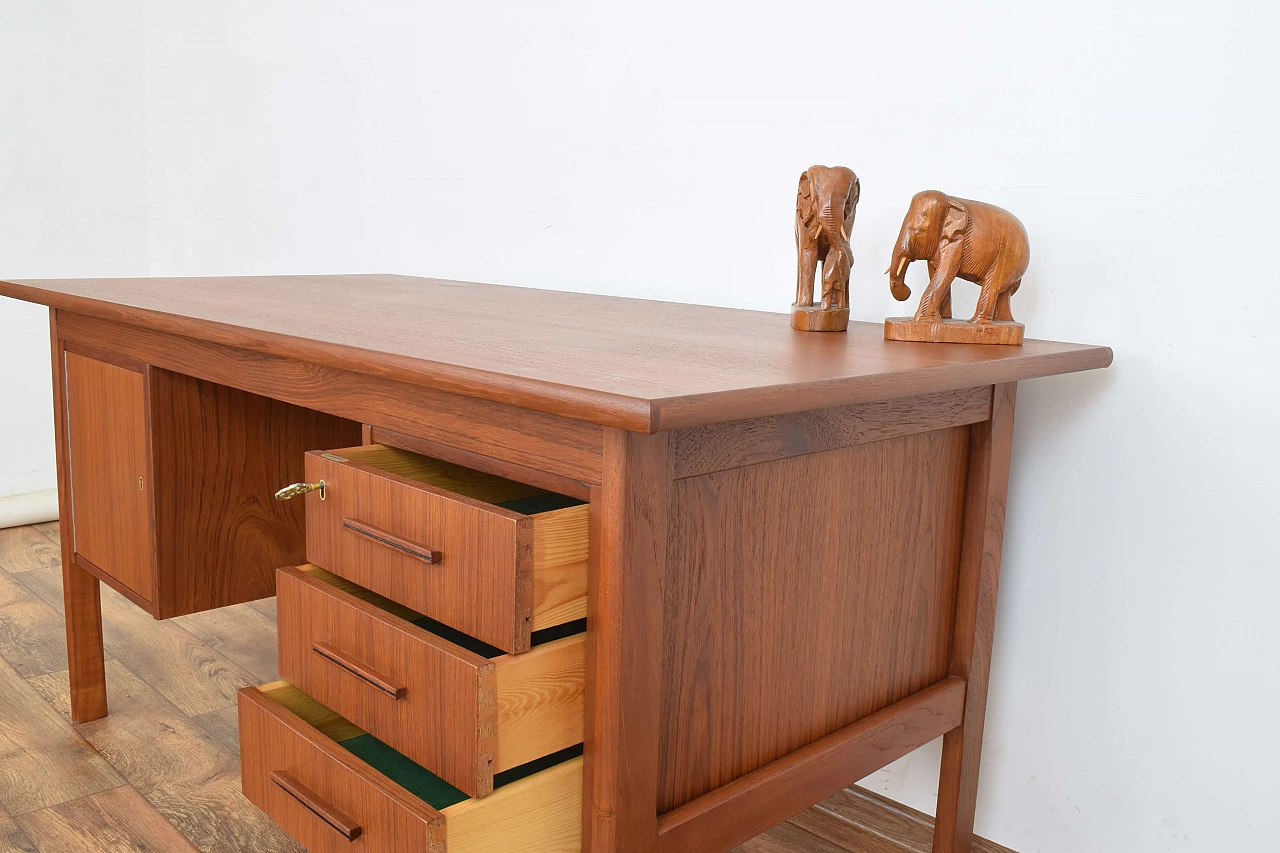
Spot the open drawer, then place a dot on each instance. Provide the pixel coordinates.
(335, 788)
(491, 557)
(462, 709)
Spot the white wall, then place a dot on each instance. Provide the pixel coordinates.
(73, 189)
(653, 150)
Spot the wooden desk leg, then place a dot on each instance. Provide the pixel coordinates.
(624, 644)
(988, 487)
(84, 643)
(80, 590)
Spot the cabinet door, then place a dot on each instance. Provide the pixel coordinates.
(107, 428)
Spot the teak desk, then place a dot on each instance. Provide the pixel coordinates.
(795, 537)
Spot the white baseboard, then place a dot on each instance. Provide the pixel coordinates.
(31, 508)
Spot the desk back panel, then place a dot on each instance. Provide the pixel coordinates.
(219, 455)
(801, 595)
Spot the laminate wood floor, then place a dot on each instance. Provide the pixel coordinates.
(161, 772)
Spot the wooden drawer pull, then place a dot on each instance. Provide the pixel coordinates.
(360, 670)
(389, 539)
(327, 813)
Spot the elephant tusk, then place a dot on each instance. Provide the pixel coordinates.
(902, 266)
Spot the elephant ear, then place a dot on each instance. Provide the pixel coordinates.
(955, 221)
(804, 199)
(851, 206)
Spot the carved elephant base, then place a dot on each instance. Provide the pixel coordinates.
(815, 318)
(951, 331)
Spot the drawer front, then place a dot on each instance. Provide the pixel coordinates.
(321, 795)
(461, 715)
(331, 800)
(458, 560)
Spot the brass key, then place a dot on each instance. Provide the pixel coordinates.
(291, 492)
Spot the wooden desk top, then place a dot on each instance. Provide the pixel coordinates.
(631, 363)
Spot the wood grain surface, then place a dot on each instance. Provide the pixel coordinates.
(987, 491)
(472, 588)
(852, 820)
(457, 479)
(79, 592)
(540, 696)
(560, 544)
(186, 774)
(445, 720)
(767, 796)
(630, 523)
(273, 739)
(866, 822)
(45, 761)
(180, 665)
(222, 725)
(118, 819)
(707, 449)
(802, 595)
(185, 670)
(31, 632)
(240, 634)
(789, 837)
(948, 331)
(653, 365)
(219, 454)
(509, 470)
(532, 439)
(499, 574)
(25, 548)
(324, 720)
(463, 716)
(541, 812)
(114, 583)
(110, 498)
(13, 838)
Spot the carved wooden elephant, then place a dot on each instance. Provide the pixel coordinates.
(964, 239)
(825, 205)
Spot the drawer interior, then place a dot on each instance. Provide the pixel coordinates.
(468, 482)
(414, 778)
(458, 638)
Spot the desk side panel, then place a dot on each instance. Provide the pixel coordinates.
(801, 595)
(107, 434)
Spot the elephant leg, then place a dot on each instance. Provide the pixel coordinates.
(943, 271)
(936, 296)
(944, 304)
(1003, 310)
(993, 289)
(806, 267)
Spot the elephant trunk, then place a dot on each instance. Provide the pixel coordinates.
(837, 258)
(898, 266)
(831, 224)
